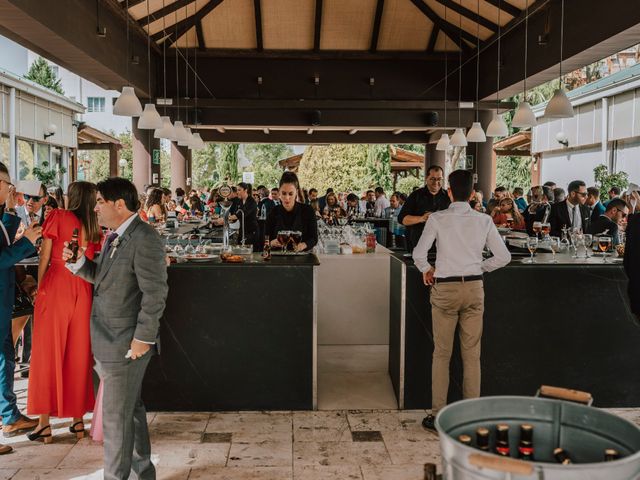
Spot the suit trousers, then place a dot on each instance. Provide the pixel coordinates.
(124, 420)
(456, 304)
(8, 408)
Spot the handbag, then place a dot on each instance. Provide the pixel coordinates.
(22, 304)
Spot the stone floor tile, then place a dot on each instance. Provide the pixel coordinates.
(394, 472)
(85, 454)
(7, 473)
(217, 437)
(314, 472)
(59, 474)
(321, 427)
(338, 391)
(410, 435)
(416, 452)
(340, 453)
(35, 455)
(265, 454)
(268, 436)
(256, 422)
(190, 455)
(367, 436)
(175, 473)
(241, 473)
(189, 417)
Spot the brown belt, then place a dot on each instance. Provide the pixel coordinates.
(471, 278)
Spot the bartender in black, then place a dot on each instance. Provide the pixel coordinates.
(246, 207)
(422, 203)
(292, 215)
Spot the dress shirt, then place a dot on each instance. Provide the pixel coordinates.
(461, 234)
(575, 217)
(382, 202)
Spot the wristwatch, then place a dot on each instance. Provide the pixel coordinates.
(11, 211)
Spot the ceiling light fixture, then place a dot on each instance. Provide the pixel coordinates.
(476, 134)
(127, 104)
(498, 127)
(559, 106)
(524, 117)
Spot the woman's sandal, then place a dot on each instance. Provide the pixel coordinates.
(46, 437)
(78, 431)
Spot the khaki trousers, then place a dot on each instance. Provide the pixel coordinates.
(452, 304)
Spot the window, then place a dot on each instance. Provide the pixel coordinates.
(54, 69)
(95, 104)
(4, 150)
(26, 160)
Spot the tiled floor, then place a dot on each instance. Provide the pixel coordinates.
(323, 445)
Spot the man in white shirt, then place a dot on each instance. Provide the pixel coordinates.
(457, 290)
(382, 202)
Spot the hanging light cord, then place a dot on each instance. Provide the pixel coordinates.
(446, 70)
(460, 70)
(149, 54)
(127, 6)
(499, 38)
(186, 69)
(164, 57)
(478, 68)
(177, 79)
(195, 76)
(561, 39)
(526, 46)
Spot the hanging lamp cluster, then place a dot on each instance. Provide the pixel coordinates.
(128, 104)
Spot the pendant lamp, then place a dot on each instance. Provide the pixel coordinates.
(166, 131)
(458, 139)
(150, 119)
(198, 143)
(443, 143)
(498, 127)
(476, 133)
(127, 104)
(181, 133)
(524, 117)
(186, 139)
(559, 106)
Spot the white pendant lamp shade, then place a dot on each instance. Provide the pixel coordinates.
(198, 143)
(150, 119)
(186, 139)
(497, 127)
(167, 131)
(524, 117)
(181, 133)
(559, 106)
(443, 143)
(458, 139)
(476, 134)
(127, 104)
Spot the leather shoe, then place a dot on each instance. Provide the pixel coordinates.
(428, 422)
(4, 449)
(22, 425)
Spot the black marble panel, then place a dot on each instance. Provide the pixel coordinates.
(564, 325)
(235, 337)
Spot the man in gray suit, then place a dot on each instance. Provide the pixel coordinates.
(129, 294)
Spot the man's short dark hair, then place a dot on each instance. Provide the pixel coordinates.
(116, 188)
(547, 191)
(594, 192)
(615, 190)
(500, 189)
(166, 191)
(352, 197)
(247, 187)
(379, 190)
(329, 190)
(260, 187)
(461, 184)
(369, 191)
(433, 168)
(313, 190)
(3, 168)
(549, 184)
(518, 191)
(274, 189)
(616, 203)
(575, 186)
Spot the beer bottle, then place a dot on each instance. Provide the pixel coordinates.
(502, 440)
(74, 246)
(611, 454)
(465, 439)
(561, 456)
(430, 471)
(266, 251)
(482, 439)
(525, 447)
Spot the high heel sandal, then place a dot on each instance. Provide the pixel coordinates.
(78, 431)
(46, 438)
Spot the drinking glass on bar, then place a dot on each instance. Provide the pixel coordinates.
(283, 239)
(532, 245)
(554, 244)
(537, 228)
(295, 239)
(604, 244)
(588, 242)
(546, 229)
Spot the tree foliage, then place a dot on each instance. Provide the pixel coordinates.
(605, 180)
(264, 161)
(41, 73)
(228, 162)
(204, 166)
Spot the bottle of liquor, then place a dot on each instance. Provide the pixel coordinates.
(611, 454)
(266, 251)
(74, 246)
(525, 447)
(562, 456)
(430, 471)
(482, 439)
(465, 439)
(502, 440)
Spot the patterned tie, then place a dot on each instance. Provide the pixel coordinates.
(109, 241)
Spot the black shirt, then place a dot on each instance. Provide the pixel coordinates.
(302, 218)
(264, 208)
(604, 224)
(420, 202)
(250, 210)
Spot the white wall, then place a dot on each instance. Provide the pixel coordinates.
(628, 159)
(565, 166)
(13, 57)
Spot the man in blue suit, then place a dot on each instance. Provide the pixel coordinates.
(11, 252)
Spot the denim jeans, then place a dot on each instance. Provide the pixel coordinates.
(8, 408)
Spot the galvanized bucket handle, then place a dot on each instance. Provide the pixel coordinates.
(565, 394)
(501, 464)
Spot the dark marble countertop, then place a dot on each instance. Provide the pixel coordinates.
(255, 260)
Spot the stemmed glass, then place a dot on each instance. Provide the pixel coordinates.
(604, 243)
(189, 249)
(554, 244)
(587, 238)
(537, 228)
(532, 245)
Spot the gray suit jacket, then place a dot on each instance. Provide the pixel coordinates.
(129, 293)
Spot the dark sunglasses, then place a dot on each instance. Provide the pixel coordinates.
(582, 194)
(35, 198)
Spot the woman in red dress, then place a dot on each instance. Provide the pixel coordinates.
(61, 379)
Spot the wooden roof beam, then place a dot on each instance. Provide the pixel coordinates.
(470, 14)
(505, 7)
(258, 16)
(433, 38)
(451, 30)
(202, 45)
(185, 25)
(318, 26)
(163, 12)
(376, 26)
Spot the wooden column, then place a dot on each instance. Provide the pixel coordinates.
(180, 157)
(144, 170)
(114, 160)
(484, 158)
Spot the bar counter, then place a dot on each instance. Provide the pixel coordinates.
(566, 324)
(237, 337)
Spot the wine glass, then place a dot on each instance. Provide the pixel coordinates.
(633, 203)
(537, 228)
(604, 244)
(587, 238)
(546, 229)
(178, 250)
(532, 245)
(554, 244)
